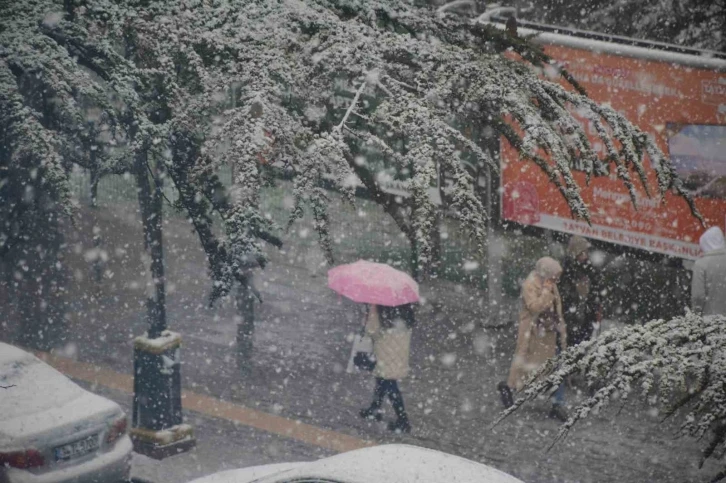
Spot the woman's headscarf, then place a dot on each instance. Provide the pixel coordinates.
(577, 245)
(547, 267)
(712, 240)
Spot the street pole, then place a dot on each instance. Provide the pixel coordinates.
(158, 429)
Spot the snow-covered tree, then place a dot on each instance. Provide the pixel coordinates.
(42, 125)
(345, 90)
(676, 367)
(691, 23)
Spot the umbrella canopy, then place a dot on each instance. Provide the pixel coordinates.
(373, 283)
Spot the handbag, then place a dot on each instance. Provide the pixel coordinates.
(364, 361)
(361, 354)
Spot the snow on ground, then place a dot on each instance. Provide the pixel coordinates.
(301, 347)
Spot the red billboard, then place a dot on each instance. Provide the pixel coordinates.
(683, 107)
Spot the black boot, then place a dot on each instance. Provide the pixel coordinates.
(506, 393)
(401, 425)
(371, 413)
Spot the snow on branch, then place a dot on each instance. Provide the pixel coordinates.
(353, 103)
(28, 144)
(258, 84)
(676, 366)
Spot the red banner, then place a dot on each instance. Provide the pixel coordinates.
(683, 109)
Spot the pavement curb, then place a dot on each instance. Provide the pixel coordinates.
(213, 407)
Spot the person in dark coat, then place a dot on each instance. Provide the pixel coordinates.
(581, 291)
(708, 287)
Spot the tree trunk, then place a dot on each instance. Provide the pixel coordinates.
(495, 266)
(436, 247)
(244, 300)
(435, 234)
(94, 186)
(150, 203)
(99, 267)
(415, 267)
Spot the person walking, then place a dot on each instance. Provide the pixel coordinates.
(540, 322)
(390, 330)
(708, 286)
(581, 290)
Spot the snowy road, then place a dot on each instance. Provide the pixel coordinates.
(221, 444)
(301, 347)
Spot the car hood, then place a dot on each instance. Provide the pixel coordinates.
(396, 463)
(393, 462)
(247, 475)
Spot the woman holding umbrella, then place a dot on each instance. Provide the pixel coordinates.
(390, 329)
(389, 294)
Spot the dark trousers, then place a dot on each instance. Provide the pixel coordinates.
(389, 387)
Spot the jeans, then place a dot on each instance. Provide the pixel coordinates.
(558, 397)
(389, 387)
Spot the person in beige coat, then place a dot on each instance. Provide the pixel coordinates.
(540, 323)
(390, 329)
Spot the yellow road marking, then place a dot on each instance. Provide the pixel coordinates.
(216, 408)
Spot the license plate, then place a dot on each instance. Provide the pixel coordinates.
(76, 448)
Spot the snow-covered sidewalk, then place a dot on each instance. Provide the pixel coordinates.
(302, 343)
(221, 445)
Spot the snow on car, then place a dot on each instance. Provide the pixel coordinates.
(393, 462)
(52, 430)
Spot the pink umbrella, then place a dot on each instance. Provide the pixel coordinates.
(373, 283)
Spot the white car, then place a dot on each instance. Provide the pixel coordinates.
(53, 431)
(397, 463)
